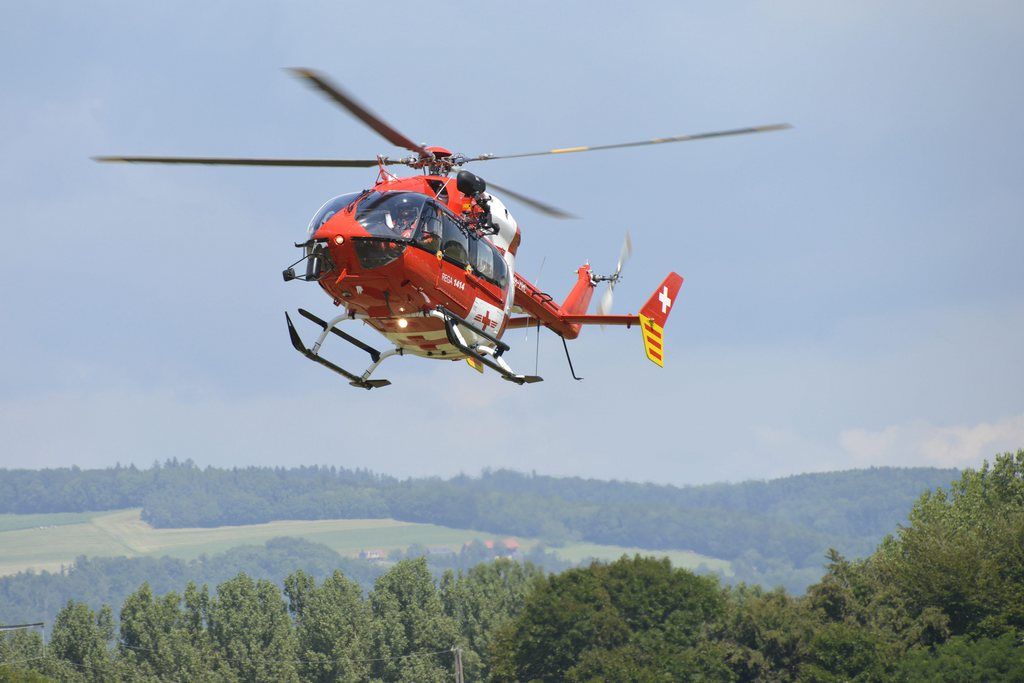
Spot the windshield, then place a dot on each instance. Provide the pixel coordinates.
(330, 207)
(393, 215)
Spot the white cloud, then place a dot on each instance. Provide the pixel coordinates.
(922, 443)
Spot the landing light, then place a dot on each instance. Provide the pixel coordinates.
(403, 323)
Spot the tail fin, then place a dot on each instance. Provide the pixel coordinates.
(578, 300)
(654, 314)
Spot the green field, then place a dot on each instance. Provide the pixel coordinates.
(577, 552)
(12, 522)
(50, 541)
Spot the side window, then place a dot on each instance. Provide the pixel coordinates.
(483, 259)
(500, 269)
(454, 241)
(429, 236)
(488, 263)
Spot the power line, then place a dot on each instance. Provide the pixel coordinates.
(20, 627)
(314, 661)
(457, 652)
(75, 665)
(16, 627)
(6, 662)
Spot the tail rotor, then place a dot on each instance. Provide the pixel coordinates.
(604, 306)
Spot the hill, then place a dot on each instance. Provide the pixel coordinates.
(50, 542)
(938, 600)
(773, 532)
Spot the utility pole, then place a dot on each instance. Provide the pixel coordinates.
(458, 665)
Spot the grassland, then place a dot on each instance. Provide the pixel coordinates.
(13, 522)
(49, 541)
(578, 552)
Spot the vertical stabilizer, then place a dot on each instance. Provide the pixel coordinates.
(654, 315)
(579, 297)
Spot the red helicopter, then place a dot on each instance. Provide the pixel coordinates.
(429, 260)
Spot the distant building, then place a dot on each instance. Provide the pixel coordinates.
(508, 547)
(440, 551)
(377, 554)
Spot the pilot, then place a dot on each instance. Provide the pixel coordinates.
(405, 219)
(430, 237)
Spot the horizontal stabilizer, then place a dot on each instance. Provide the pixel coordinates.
(627, 320)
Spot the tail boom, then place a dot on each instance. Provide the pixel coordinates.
(541, 306)
(568, 319)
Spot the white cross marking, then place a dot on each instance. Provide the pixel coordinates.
(666, 303)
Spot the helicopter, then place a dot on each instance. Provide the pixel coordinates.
(428, 260)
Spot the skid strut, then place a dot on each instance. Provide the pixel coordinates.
(489, 355)
(362, 381)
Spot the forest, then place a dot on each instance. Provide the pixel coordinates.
(28, 597)
(774, 532)
(941, 598)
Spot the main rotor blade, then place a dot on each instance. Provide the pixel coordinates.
(374, 121)
(655, 141)
(221, 161)
(545, 209)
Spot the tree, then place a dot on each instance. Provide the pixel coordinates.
(22, 655)
(963, 659)
(481, 601)
(634, 605)
(764, 634)
(160, 639)
(249, 626)
(80, 637)
(963, 552)
(410, 626)
(333, 623)
(841, 652)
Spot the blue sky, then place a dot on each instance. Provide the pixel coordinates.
(854, 293)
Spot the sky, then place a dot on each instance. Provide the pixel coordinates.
(854, 293)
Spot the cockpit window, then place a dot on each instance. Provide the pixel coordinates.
(429, 235)
(394, 215)
(331, 207)
(454, 241)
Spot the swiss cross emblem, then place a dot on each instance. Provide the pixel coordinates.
(666, 303)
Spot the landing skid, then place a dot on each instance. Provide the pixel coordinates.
(362, 381)
(488, 354)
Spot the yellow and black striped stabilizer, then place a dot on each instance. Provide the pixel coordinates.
(654, 344)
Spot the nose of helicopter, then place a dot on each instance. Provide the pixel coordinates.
(337, 236)
(327, 248)
(353, 242)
